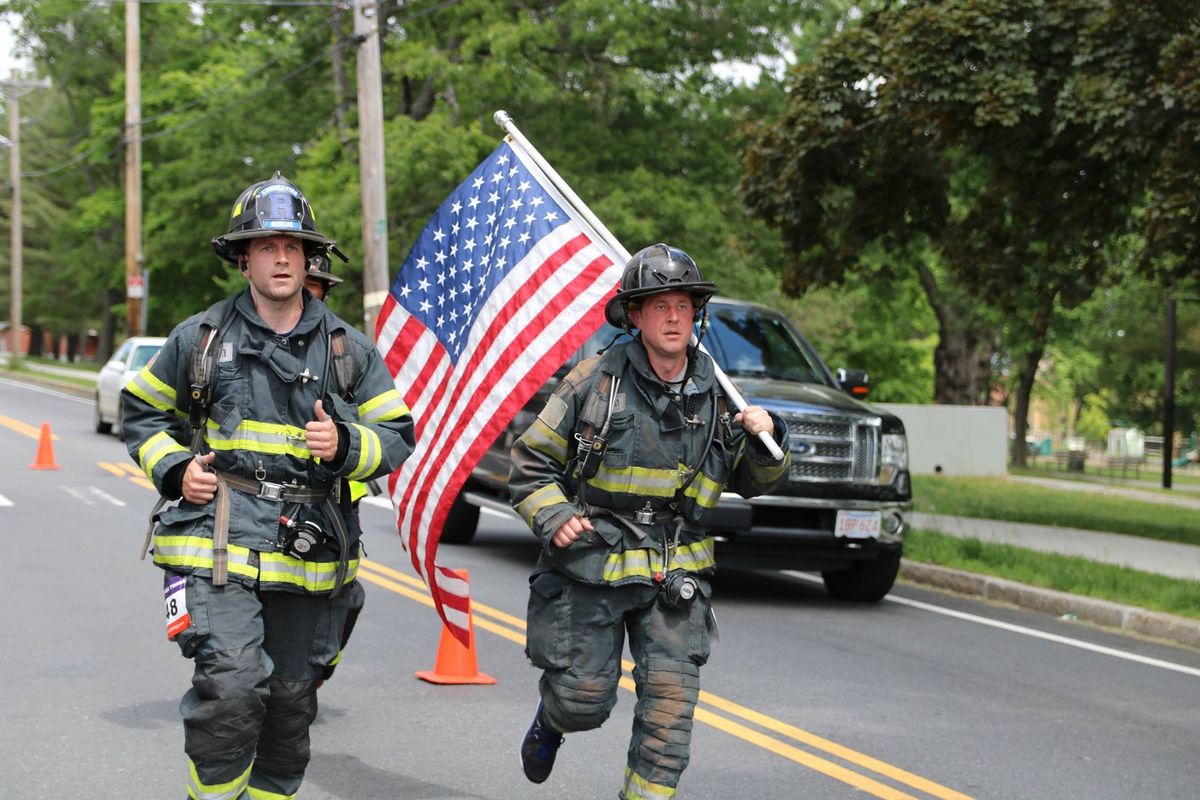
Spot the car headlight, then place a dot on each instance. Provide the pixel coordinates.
(893, 456)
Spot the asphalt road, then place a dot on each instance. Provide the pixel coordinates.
(922, 696)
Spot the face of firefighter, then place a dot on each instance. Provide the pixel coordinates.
(665, 322)
(275, 267)
(315, 287)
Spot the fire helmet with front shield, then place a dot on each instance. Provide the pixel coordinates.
(653, 270)
(272, 207)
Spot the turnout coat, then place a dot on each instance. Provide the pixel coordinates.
(656, 437)
(263, 391)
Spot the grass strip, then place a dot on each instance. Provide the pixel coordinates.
(1064, 573)
(1149, 480)
(998, 498)
(87, 379)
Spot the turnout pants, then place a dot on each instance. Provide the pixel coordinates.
(576, 635)
(259, 657)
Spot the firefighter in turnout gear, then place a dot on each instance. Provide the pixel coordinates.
(254, 416)
(615, 477)
(319, 279)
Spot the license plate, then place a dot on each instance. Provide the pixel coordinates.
(857, 524)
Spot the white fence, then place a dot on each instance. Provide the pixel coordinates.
(954, 440)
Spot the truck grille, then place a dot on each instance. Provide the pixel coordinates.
(838, 449)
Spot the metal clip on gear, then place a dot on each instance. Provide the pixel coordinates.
(591, 451)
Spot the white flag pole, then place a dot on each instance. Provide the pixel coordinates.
(515, 136)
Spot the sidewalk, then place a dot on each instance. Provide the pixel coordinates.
(1148, 555)
(1096, 487)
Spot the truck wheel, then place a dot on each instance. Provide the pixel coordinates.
(866, 581)
(97, 421)
(461, 522)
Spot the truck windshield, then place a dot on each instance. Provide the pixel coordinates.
(745, 341)
(752, 344)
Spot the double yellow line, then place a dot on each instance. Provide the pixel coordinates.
(751, 726)
(128, 470)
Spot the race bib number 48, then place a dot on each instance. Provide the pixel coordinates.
(175, 595)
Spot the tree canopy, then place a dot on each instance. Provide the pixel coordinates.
(996, 149)
(622, 98)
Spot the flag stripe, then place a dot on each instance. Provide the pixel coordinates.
(494, 332)
(504, 283)
(477, 437)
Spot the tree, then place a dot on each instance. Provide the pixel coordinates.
(958, 126)
(622, 98)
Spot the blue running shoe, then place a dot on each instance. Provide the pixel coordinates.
(539, 747)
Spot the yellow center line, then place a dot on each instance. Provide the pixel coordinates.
(115, 469)
(816, 763)
(23, 428)
(400, 582)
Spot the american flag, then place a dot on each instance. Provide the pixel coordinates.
(506, 281)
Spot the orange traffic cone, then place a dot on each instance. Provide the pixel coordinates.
(455, 663)
(45, 453)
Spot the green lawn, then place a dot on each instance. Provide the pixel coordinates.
(79, 377)
(1064, 573)
(1002, 499)
(1149, 479)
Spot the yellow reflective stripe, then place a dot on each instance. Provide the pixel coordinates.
(195, 552)
(149, 389)
(260, 437)
(370, 453)
(772, 473)
(704, 491)
(541, 438)
(217, 791)
(154, 449)
(548, 495)
(638, 788)
(644, 562)
(311, 576)
(358, 490)
(263, 794)
(641, 481)
(383, 407)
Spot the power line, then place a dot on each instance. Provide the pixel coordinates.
(255, 73)
(246, 98)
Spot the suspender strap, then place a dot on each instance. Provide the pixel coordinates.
(220, 538)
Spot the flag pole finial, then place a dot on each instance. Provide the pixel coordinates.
(502, 118)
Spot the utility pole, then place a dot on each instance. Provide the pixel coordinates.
(16, 87)
(370, 162)
(135, 280)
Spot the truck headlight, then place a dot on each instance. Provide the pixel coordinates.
(893, 456)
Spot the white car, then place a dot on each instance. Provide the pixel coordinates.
(133, 354)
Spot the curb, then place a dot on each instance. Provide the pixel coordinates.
(49, 383)
(1182, 631)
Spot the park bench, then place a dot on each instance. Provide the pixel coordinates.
(1125, 464)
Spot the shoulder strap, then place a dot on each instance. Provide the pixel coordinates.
(202, 364)
(345, 367)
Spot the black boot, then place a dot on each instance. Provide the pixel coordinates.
(539, 747)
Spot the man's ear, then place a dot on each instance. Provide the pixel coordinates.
(243, 265)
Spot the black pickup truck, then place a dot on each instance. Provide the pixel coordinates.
(843, 509)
